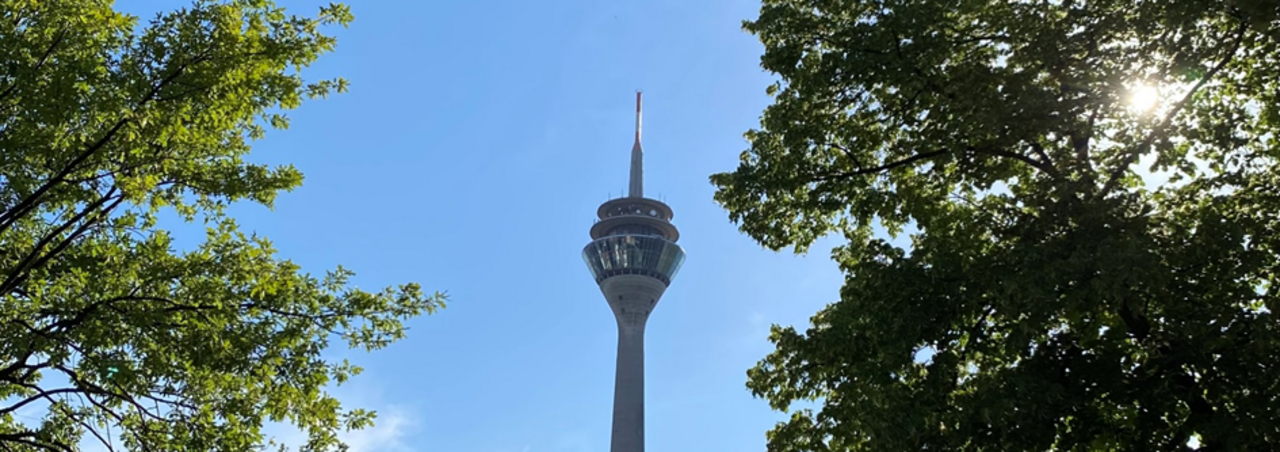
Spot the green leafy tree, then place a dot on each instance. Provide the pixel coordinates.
(106, 329)
(1049, 298)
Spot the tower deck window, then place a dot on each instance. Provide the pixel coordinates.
(633, 254)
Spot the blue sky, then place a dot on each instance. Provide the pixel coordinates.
(477, 140)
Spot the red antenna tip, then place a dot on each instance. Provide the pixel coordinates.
(638, 94)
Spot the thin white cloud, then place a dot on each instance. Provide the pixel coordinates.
(387, 433)
(390, 431)
(573, 442)
(284, 433)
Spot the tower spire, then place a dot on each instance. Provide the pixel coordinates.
(636, 190)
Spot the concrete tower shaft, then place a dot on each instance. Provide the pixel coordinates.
(632, 298)
(633, 257)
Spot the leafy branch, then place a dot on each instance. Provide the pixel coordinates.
(1162, 128)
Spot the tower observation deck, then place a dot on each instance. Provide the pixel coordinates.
(633, 256)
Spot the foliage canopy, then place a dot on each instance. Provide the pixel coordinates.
(1050, 298)
(107, 329)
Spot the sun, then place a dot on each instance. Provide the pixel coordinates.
(1143, 98)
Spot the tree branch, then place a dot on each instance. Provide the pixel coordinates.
(10, 216)
(79, 232)
(1044, 156)
(1042, 166)
(27, 438)
(20, 363)
(43, 58)
(40, 394)
(36, 255)
(1080, 144)
(1046, 166)
(884, 167)
(1048, 169)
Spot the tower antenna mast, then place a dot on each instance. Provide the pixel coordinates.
(636, 189)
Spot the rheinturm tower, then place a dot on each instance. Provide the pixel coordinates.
(633, 256)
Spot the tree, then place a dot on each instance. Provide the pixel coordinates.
(1050, 299)
(115, 335)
